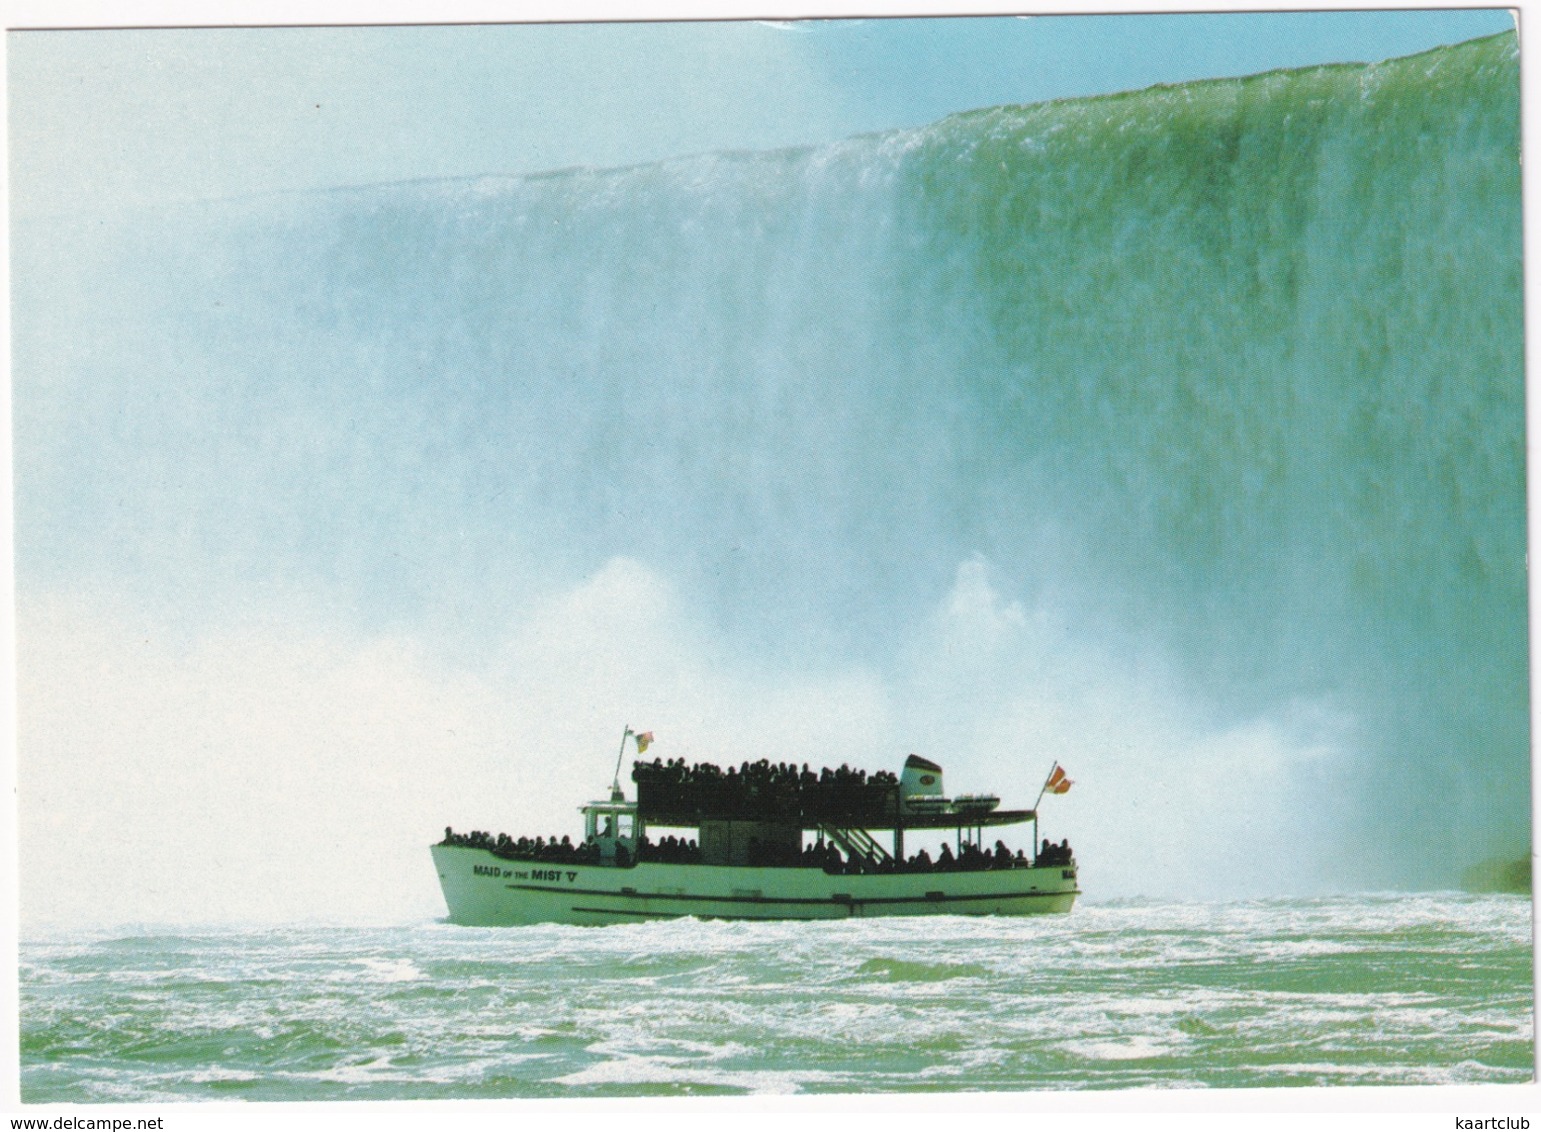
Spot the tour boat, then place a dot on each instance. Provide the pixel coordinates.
(763, 845)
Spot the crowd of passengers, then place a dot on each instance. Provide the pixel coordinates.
(670, 850)
(1052, 854)
(969, 858)
(820, 855)
(526, 849)
(760, 789)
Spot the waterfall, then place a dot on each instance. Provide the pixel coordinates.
(1226, 374)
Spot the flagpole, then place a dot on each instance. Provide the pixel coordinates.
(615, 784)
(1041, 791)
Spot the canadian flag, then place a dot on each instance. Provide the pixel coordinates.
(1058, 783)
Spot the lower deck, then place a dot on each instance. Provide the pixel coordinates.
(483, 889)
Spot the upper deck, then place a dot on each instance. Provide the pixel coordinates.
(680, 795)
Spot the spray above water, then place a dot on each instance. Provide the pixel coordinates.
(1177, 435)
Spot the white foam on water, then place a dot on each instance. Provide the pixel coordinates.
(1121, 1049)
(392, 970)
(660, 1071)
(215, 1073)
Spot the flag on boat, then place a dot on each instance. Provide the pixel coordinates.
(1058, 783)
(643, 740)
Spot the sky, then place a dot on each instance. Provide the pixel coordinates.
(101, 120)
(106, 121)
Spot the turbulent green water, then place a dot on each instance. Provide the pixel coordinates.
(1432, 989)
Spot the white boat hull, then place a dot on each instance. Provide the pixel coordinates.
(486, 890)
